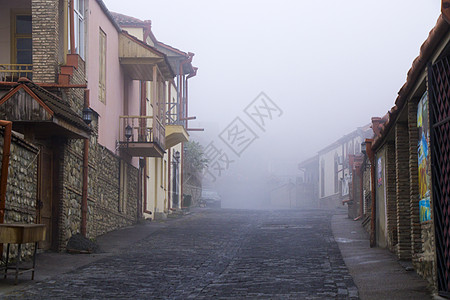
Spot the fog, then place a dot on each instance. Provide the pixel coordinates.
(327, 66)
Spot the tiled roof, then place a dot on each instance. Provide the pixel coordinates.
(124, 20)
(108, 14)
(418, 66)
(58, 106)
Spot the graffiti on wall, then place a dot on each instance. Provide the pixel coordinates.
(379, 172)
(424, 158)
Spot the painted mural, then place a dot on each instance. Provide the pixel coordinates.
(379, 172)
(424, 159)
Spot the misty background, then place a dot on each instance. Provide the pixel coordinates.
(328, 65)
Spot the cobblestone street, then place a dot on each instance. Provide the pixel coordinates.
(217, 254)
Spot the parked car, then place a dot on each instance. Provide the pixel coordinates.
(210, 198)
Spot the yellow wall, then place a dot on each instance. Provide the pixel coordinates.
(137, 32)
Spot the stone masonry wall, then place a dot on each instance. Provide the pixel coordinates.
(416, 238)
(45, 36)
(402, 188)
(72, 190)
(367, 190)
(391, 197)
(107, 215)
(20, 206)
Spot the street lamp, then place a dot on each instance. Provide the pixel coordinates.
(363, 147)
(177, 156)
(128, 132)
(87, 115)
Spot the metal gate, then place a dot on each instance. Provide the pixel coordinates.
(439, 101)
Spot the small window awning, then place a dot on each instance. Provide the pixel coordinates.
(175, 134)
(33, 109)
(138, 59)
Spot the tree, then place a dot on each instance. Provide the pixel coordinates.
(194, 159)
(194, 164)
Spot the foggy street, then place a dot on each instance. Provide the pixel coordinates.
(217, 254)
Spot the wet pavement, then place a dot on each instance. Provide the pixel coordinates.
(376, 271)
(220, 254)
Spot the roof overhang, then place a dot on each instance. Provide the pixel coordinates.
(175, 134)
(138, 59)
(47, 129)
(39, 116)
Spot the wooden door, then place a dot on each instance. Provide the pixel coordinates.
(45, 194)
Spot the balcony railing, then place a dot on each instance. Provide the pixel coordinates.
(142, 129)
(12, 72)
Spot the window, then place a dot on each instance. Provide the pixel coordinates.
(78, 27)
(102, 67)
(21, 45)
(336, 170)
(22, 53)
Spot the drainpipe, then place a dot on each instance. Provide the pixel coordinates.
(142, 161)
(169, 191)
(5, 164)
(72, 26)
(371, 156)
(85, 174)
(180, 87)
(182, 176)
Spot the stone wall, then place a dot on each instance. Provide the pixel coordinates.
(22, 182)
(403, 188)
(391, 200)
(72, 172)
(367, 191)
(107, 215)
(331, 202)
(424, 263)
(20, 206)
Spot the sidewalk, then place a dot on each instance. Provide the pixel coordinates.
(376, 272)
(51, 264)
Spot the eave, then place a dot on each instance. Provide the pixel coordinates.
(34, 110)
(138, 59)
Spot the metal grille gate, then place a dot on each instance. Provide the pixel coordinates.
(439, 101)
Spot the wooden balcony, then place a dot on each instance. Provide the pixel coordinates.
(12, 72)
(142, 136)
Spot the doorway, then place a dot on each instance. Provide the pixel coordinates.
(46, 205)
